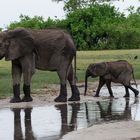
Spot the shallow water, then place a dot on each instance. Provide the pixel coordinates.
(52, 122)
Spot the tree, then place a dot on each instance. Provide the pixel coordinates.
(72, 5)
(99, 26)
(91, 27)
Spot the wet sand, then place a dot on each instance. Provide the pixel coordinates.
(125, 130)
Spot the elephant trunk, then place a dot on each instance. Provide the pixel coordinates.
(86, 80)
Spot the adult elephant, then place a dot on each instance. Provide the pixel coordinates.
(49, 49)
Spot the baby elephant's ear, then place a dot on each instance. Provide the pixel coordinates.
(91, 67)
(20, 43)
(100, 69)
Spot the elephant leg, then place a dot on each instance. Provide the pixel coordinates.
(101, 83)
(63, 87)
(26, 86)
(136, 92)
(28, 68)
(16, 77)
(72, 80)
(17, 124)
(28, 124)
(108, 84)
(127, 92)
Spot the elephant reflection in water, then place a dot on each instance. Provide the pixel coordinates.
(93, 116)
(65, 126)
(110, 114)
(18, 135)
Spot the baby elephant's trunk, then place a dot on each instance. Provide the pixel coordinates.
(86, 78)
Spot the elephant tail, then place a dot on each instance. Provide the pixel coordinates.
(75, 67)
(134, 78)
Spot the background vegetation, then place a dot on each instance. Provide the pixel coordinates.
(42, 78)
(94, 26)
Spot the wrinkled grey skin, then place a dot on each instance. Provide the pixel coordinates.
(50, 49)
(116, 71)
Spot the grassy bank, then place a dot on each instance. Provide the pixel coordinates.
(84, 58)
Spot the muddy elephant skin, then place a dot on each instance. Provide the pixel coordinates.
(49, 50)
(115, 71)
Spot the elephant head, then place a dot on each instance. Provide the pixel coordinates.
(15, 44)
(95, 70)
(2, 44)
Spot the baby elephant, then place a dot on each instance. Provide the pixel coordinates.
(115, 71)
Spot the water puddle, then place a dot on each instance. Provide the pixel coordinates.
(53, 122)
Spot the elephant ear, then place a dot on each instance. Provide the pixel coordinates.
(20, 43)
(100, 69)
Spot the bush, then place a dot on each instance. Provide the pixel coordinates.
(94, 28)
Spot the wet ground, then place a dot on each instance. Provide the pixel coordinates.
(54, 121)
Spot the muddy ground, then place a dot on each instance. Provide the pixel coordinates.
(47, 95)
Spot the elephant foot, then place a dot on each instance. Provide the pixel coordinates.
(61, 98)
(74, 98)
(136, 93)
(27, 99)
(75, 94)
(15, 100)
(96, 95)
(111, 96)
(126, 96)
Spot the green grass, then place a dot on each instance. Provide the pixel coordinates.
(84, 58)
